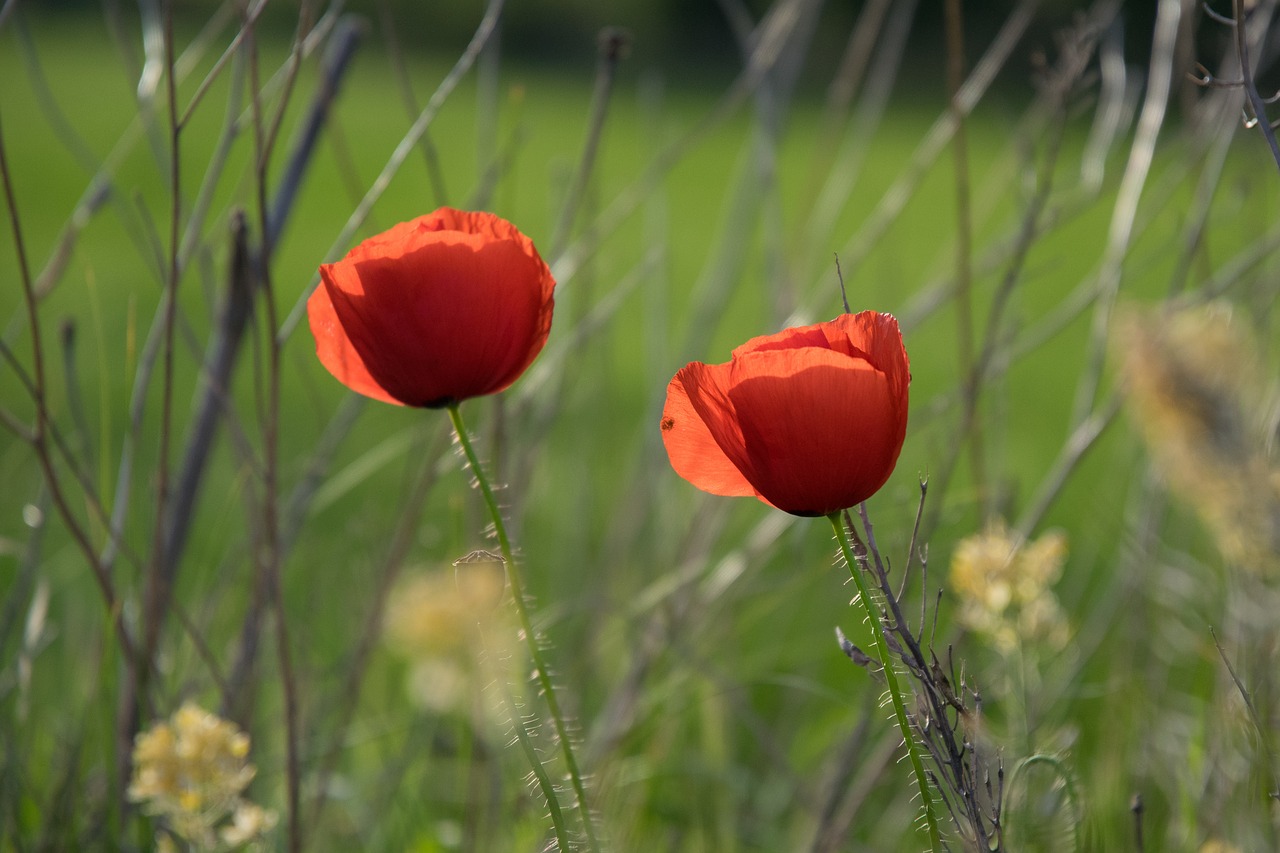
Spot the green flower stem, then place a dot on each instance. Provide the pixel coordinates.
(891, 679)
(531, 640)
(535, 762)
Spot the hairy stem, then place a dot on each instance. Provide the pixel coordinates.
(891, 680)
(531, 641)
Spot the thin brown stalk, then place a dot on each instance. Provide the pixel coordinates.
(613, 45)
(135, 696)
(401, 153)
(223, 349)
(268, 556)
(238, 699)
(339, 52)
(39, 441)
(912, 545)
(156, 571)
(1073, 64)
(965, 785)
(60, 450)
(834, 181)
(853, 66)
(1262, 729)
(100, 189)
(1082, 438)
(1124, 214)
(1077, 200)
(402, 540)
(267, 145)
(1256, 102)
(216, 70)
(430, 154)
(40, 432)
(772, 34)
(969, 379)
(895, 199)
(195, 228)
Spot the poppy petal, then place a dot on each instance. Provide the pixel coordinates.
(817, 428)
(334, 348)
(695, 453)
(795, 337)
(878, 336)
(478, 325)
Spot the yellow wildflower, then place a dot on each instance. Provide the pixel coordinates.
(249, 822)
(441, 612)
(455, 634)
(1004, 586)
(191, 771)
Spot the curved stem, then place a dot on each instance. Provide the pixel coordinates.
(891, 679)
(531, 641)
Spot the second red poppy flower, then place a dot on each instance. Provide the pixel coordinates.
(810, 420)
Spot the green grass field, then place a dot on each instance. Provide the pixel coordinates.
(691, 637)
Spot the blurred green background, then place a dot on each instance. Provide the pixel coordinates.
(696, 632)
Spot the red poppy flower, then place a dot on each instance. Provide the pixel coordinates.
(444, 307)
(810, 420)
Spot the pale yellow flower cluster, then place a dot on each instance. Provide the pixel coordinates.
(191, 772)
(452, 628)
(1215, 845)
(1005, 588)
(1198, 396)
